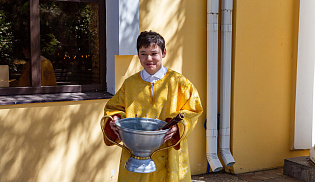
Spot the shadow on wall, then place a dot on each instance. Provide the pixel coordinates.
(55, 143)
(168, 20)
(183, 24)
(128, 33)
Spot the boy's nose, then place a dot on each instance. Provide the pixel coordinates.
(149, 57)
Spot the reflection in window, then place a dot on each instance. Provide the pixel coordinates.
(14, 36)
(69, 39)
(69, 42)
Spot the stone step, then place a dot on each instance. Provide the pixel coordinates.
(300, 168)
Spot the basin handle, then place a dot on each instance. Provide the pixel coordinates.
(183, 136)
(104, 122)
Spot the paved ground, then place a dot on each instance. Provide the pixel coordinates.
(274, 175)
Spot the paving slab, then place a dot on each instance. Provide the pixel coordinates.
(300, 168)
(273, 175)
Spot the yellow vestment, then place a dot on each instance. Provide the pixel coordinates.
(47, 75)
(171, 95)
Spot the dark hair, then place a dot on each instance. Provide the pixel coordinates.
(145, 39)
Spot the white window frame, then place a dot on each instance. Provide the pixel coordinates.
(304, 131)
(122, 25)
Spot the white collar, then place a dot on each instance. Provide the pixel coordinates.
(155, 77)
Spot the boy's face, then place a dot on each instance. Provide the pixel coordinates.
(151, 58)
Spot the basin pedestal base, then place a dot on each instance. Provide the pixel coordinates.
(140, 165)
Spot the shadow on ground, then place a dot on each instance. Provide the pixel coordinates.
(273, 175)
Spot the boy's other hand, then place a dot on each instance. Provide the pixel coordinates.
(170, 133)
(114, 127)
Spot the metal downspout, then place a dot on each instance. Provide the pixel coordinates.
(212, 84)
(225, 90)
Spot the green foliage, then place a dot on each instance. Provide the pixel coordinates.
(66, 28)
(50, 45)
(14, 25)
(6, 38)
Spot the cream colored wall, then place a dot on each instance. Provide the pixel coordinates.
(264, 68)
(55, 142)
(183, 25)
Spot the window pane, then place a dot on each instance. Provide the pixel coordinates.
(14, 38)
(69, 33)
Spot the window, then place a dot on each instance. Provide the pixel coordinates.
(52, 46)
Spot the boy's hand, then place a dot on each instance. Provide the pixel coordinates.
(113, 125)
(170, 133)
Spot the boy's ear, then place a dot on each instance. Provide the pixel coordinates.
(164, 53)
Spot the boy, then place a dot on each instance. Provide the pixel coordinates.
(156, 92)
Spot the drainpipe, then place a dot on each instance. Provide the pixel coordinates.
(225, 90)
(212, 84)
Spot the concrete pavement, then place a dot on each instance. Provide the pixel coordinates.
(273, 175)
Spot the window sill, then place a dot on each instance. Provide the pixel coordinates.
(42, 98)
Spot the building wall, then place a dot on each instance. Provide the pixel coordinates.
(63, 141)
(55, 142)
(183, 24)
(264, 73)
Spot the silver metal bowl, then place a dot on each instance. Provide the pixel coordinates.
(142, 139)
(142, 136)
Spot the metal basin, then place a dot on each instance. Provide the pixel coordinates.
(141, 135)
(142, 138)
